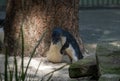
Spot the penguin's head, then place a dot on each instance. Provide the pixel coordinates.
(56, 35)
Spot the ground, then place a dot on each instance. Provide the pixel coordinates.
(99, 25)
(95, 26)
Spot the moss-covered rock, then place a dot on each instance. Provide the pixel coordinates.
(108, 57)
(109, 77)
(83, 68)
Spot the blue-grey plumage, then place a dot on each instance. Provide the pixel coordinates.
(69, 43)
(56, 35)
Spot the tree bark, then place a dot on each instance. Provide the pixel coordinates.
(36, 16)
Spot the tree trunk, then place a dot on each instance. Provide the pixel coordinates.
(36, 16)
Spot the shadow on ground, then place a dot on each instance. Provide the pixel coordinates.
(99, 25)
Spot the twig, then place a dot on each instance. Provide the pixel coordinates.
(54, 71)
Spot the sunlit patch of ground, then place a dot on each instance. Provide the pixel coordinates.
(44, 68)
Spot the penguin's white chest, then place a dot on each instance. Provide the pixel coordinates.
(54, 54)
(71, 52)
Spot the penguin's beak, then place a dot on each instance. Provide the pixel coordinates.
(55, 40)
